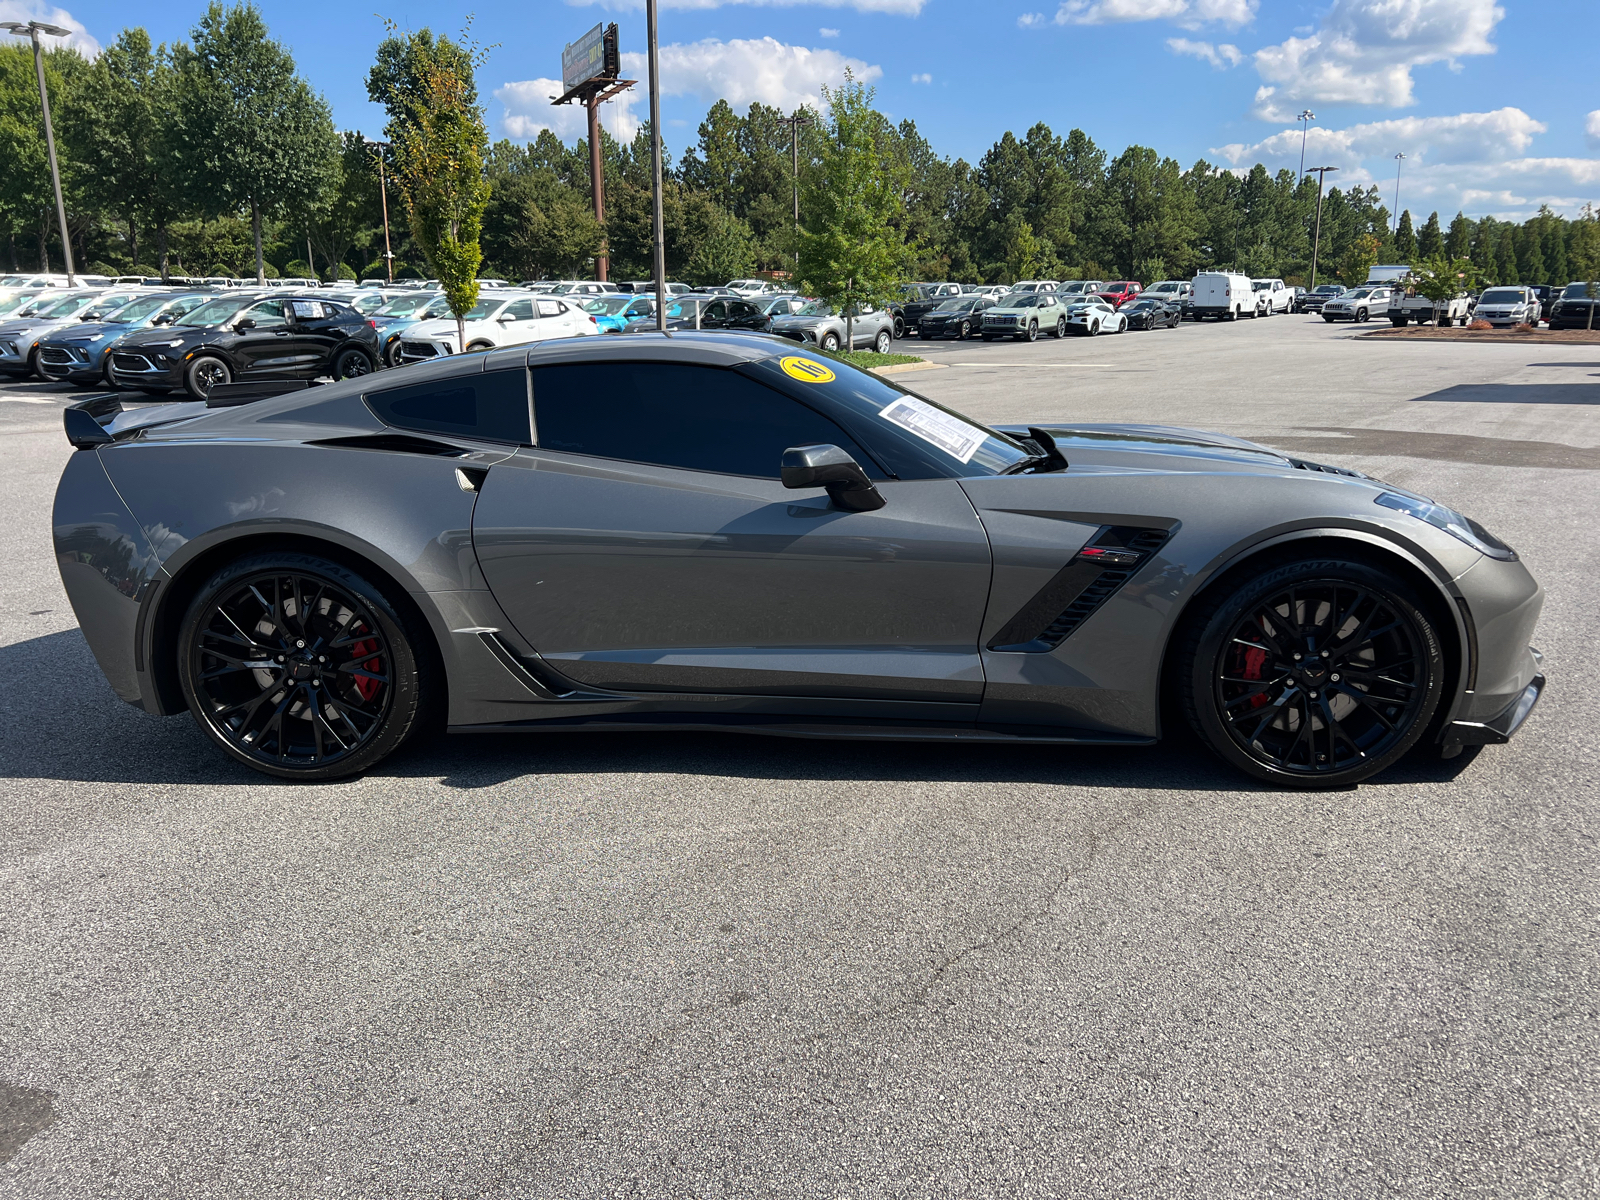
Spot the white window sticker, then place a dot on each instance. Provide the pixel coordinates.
(951, 434)
(305, 308)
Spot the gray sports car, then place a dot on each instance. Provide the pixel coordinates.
(727, 531)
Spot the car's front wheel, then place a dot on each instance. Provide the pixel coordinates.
(299, 667)
(830, 341)
(1061, 327)
(1094, 328)
(1033, 331)
(966, 330)
(205, 373)
(1316, 672)
(881, 342)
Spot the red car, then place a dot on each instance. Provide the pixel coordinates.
(1119, 293)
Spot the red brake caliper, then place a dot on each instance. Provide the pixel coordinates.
(367, 688)
(1254, 659)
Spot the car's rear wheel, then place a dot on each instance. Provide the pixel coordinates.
(205, 373)
(882, 342)
(299, 667)
(1315, 673)
(830, 341)
(351, 364)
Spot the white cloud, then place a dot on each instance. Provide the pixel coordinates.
(528, 110)
(922, 78)
(828, 33)
(1365, 50)
(740, 71)
(1029, 20)
(1463, 138)
(1591, 129)
(906, 8)
(1221, 56)
(35, 10)
(1189, 13)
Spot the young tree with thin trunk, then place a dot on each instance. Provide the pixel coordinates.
(440, 142)
(852, 252)
(250, 132)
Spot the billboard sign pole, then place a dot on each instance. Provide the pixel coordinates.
(589, 70)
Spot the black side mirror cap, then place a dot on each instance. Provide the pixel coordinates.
(830, 467)
(244, 323)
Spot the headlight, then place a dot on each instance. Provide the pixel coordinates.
(173, 342)
(1463, 528)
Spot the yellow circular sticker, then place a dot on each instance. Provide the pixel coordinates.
(805, 370)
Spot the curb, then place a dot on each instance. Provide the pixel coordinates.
(904, 367)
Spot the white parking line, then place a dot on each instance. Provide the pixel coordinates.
(1050, 366)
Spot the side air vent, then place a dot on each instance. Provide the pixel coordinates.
(1302, 465)
(396, 443)
(1094, 574)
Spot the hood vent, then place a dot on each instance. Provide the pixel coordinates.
(1302, 465)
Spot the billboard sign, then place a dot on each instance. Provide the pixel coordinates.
(593, 55)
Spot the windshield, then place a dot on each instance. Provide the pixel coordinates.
(955, 305)
(1031, 300)
(1501, 296)
(608, 306)
(64, 307)
(1577, 291)
(12, 303)
(137, 310)
(1329, 289)
(13, 280)
(214, 313)
(1162, 287)
(815, 309)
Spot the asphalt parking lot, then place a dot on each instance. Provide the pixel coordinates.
(712, 966)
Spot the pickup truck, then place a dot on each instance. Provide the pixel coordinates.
(1272, 296)
(1119, 293)
(1406, 306)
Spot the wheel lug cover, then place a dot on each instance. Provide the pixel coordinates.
(1334, 678)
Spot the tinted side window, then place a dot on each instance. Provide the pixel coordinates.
(268, 314)
(675, 415)
(492, 405)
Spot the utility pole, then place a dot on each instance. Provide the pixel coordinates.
(1316, 243)
(1399, 160)
(382, 149)
(658, 237)
(1305, 118)
(794, 121)
(32, 30)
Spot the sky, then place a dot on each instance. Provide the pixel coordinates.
(1495, 106)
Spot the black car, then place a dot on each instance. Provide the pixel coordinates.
(1578, 307)
(917, 301)
(1151, 313)
(956, 317)
(1313, 300)
(704, 311)
(1297, 303)
(248, 336)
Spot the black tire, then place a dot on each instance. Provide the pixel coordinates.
(1033, 331)
(899, 327)
(1362, 314)
(33, 368)
(1061, 327)
(203, 373)
(1401, 322)
(882, 342)
(479, 347)
(107, 379)
(1329, 320)
(351, 364)
(966, 331)
(1233, 314)
(1094, 328)
(830, 341)
(340, 672)
(1334, 710)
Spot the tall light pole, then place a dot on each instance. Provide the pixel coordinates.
(382, 149)
(1399, 159)
(1316, 243)
(658, 249)
(1305, 118)
(32, 30)
(794, 121)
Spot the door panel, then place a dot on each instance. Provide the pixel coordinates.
(647, 578)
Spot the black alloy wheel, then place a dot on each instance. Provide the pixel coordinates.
(899, 327)
(204, 373)
(351, 364)
(1318, 673)
(299, 667)
(1362, 314)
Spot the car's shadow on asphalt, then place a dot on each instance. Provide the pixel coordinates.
(63, 722)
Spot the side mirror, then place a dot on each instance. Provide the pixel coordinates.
(829, 467)
(163, 319)
(242, 324)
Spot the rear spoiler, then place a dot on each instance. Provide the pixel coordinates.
(93, 423)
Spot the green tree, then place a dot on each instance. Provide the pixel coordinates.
(440, 144)
(851, 252)
(249, 131)
(1359, 258)
(1405, 239)
(1458, 241)
(1430, 239)
(1441, 279)
(27, 199)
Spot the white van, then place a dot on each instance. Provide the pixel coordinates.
(1225, 295)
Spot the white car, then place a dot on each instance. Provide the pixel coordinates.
(504, 318)
(1225, 295)
(1508, 306)
(1272, 296)
(1357, 305)
(1035, 285)
(751, 288)
(1090, 315)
